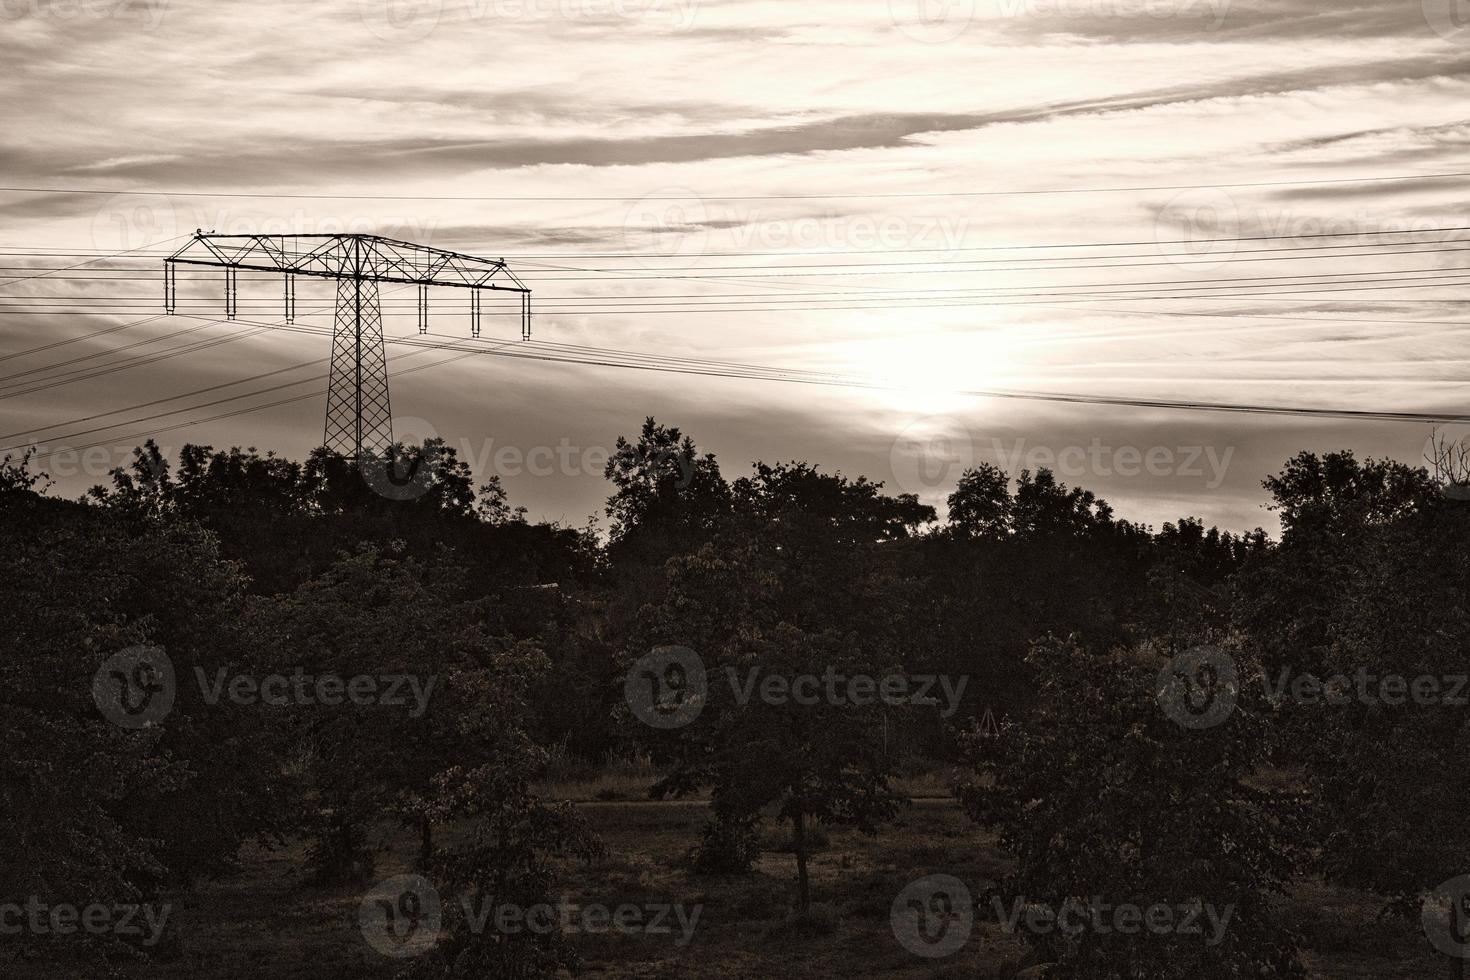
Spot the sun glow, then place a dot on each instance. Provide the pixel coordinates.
(931, 374)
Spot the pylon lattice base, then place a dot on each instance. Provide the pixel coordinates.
(359, 419)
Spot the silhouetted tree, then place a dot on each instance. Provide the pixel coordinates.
(1099, 794)
(668, 498)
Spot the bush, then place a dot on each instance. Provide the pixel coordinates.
(727, 846)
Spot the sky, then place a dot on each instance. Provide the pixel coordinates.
(1184, 200)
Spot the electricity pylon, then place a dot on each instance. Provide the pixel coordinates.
(358, 418)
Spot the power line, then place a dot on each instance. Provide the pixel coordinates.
(189, 394)
(85, 336)
(78, 265)
(1395, 178)
(102, 353)
(140, 254)
(600, 306)
(46, 384)
(243, 411)
(632, 362)
(215, 387)
(1324, 278)
(896, 294)
(135, 362)
(931, 267)
(140, 360)
(1311, 296)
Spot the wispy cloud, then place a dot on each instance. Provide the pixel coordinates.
(521, 111)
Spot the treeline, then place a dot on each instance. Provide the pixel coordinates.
(514, 636)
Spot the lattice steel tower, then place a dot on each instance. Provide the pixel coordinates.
(358, 419)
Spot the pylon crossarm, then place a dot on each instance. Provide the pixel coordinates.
(336, 256)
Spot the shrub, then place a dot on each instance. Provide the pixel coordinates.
(727, 846)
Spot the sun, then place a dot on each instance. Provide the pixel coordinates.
(929, 374)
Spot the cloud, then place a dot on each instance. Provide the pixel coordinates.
(779, 99)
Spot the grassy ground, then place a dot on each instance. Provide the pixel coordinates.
(265, 922)
(628, 779)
